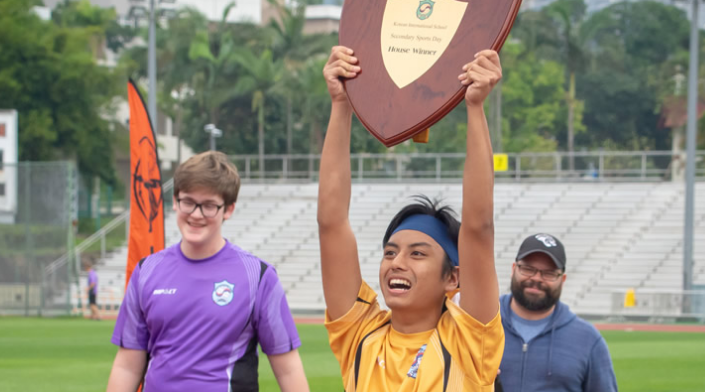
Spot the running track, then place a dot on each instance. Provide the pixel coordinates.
(599, 326)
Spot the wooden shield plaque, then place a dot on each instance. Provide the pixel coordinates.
(411, 53)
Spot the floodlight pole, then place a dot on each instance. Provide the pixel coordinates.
(152, 66)
(214, 133)
(690, 152)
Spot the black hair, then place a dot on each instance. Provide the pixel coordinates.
(425, 206)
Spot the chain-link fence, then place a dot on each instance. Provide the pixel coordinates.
(37, 208)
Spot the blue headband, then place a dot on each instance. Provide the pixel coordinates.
(435, 229)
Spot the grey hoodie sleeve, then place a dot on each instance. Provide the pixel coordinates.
(600, 374)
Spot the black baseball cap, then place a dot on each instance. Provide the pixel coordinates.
(543, 243)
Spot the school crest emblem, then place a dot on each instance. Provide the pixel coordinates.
(425, 9)
(414, 370)
(223, 293)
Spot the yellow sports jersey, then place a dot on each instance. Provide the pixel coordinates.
(461, 354)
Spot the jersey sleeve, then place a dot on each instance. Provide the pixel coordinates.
(274, 323)
(131, 327)
(477, 347)
(346, 333)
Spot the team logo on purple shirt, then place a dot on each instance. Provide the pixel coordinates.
(223, 293)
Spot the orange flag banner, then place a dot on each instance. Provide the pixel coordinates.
(146, 202)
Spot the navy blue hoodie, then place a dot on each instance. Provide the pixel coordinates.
(568, 355)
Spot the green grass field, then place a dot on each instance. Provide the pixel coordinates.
(75, 355)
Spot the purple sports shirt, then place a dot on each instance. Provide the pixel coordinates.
(93, 278)
(200, 320)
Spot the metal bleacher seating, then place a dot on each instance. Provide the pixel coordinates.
(617, 235)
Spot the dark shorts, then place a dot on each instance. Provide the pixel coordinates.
(91, 298)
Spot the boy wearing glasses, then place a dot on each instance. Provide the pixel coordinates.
(194, 313)
(547, 347)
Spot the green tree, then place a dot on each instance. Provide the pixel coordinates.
(568, 16)
(316, 102)
(218, 63)
(48, 72)
(196, 73)
(534, 103)
(638, 46)
(295, 48)
(107, 32)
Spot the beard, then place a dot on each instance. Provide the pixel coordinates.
(533, 303)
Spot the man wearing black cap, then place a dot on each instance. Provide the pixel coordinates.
(548, 347)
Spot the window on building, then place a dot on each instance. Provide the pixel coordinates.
(2, 189)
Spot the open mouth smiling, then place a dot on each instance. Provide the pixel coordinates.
(399, 285)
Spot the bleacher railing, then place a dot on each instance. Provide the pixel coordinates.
(658, 305)
(598, 166)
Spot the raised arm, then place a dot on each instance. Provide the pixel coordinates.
(339, 259)
(478, 278)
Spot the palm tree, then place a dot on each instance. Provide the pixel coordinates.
(260, 78)
(294, 48)
(568, 15)
(216, 65)
(316, 102)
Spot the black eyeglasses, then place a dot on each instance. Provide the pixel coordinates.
(188, 206)
(547, 275)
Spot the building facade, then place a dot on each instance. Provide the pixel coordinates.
(9, 155)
